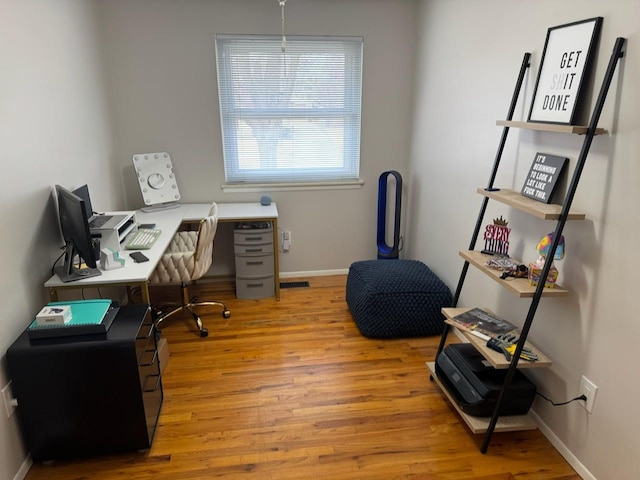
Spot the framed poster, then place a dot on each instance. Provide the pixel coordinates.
(543, 176)
(567, 56)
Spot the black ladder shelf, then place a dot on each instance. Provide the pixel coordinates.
(589, 132)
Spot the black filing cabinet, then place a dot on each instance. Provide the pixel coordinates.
(91, 394)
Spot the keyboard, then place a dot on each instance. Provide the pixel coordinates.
(143, 239)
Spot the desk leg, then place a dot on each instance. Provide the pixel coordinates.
(276, 261)
(53, 294)
(144, 291)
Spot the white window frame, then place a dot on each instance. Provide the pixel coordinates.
(346, 112)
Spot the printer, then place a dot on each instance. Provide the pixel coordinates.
(113, 234)
(475, 384)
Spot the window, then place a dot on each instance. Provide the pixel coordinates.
(290, 116)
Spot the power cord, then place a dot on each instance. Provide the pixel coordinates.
(53, 267)
(97, 290)
(581, 397)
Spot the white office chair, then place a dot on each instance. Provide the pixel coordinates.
(187, 258)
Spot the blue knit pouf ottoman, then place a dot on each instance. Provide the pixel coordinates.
(396, 298)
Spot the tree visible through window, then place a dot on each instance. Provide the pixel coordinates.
(290, 116)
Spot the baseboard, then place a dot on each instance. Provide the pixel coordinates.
(314, 273)
(562, 449)
(310, 273)
(24, 469)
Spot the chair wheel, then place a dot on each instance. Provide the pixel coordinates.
(226, 314)
(204, 332)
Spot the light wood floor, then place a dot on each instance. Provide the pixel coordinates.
(291, 390)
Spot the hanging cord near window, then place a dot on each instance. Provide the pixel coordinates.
(581, 397)
(282, 4)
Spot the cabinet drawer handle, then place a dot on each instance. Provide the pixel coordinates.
(254, 250)
(255, 263)
(156, 385)
(154, 357)
(255, 285)
(148, 333)
(253, 239)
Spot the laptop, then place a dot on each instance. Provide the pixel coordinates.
(98, 221)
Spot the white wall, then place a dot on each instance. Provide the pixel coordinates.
(161, 70)
(469, 54)
(54, 128)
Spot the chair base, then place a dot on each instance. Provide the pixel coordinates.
(188, 305)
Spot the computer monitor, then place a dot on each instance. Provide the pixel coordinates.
(83, 193)
(77, 236)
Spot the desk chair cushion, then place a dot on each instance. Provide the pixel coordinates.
(179, 261)
(187, 258)
(189, 255)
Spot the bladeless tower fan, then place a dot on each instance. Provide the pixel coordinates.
(386, 251)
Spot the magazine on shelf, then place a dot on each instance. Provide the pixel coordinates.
(480, 321)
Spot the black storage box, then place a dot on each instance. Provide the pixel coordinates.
(475, 384)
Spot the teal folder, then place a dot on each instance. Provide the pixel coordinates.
(87, 317)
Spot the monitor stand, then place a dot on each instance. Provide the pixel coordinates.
(67, 272)
(76, 274)
(158, 207)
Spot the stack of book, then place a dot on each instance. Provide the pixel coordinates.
(87, 317)
(481, 323)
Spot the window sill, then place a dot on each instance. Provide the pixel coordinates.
(290, 187)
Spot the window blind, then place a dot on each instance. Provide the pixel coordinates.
(292, 115)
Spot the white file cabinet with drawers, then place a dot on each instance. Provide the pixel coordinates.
(254, 255)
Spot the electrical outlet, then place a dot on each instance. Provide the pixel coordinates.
(589, 390)
(286, 240)
(9, 401)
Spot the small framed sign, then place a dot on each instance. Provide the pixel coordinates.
(567, 56)
(543, 176)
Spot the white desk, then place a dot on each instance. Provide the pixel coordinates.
(169, 221)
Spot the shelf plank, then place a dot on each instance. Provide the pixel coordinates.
(509, 423)
(496, 359)
(550, 127)
(518, 286)
(544, 211)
